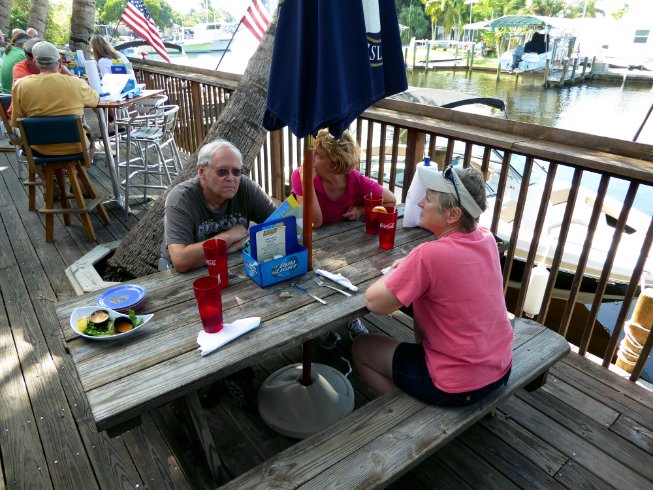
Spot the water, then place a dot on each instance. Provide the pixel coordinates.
(612, 109)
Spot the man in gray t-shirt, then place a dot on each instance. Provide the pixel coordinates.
(218, 202)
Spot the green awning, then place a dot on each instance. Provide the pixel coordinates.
(516, 21)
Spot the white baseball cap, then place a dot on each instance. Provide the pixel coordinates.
(449, 182)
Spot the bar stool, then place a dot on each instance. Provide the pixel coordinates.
(123, 116)
(53, 130)
(14, 139)
(152, 131)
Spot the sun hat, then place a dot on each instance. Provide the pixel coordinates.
(46, 53)
(435, 180)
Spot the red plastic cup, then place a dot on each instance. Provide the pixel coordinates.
(209, 302)
(215, 253)
(387, 228)
(371, 222)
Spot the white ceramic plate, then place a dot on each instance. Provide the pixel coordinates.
(83, 311)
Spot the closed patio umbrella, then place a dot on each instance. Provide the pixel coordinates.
(332, 59)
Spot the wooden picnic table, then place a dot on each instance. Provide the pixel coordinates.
(124, 379)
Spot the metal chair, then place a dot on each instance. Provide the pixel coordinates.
(53, 130)
(14, 139)
(152, 131)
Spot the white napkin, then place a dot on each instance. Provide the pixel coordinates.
(339, 278)
(209, 342)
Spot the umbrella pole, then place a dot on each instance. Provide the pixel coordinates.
(308, 237)
(307, 177)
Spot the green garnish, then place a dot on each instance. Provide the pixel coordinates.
(92, 331)
(132, 316)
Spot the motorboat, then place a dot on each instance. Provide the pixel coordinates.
(630, 244)
(529, 61)
(204, 37)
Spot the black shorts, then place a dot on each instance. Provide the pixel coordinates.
(409, 372)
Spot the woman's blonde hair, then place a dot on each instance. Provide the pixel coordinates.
(344, 153)
(102, 49)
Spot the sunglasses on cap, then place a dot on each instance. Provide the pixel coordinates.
(450, 175)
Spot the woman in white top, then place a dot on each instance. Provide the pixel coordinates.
(105, 55)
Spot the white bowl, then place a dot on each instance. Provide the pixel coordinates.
(83, 311)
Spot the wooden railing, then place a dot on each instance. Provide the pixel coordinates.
(395, 136)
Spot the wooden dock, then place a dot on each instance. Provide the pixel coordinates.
(586, 428)
(571, 71)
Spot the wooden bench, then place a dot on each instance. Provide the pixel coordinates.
(390, 435)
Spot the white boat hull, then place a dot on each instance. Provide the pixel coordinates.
(628, 250)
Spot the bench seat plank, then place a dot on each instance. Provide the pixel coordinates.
(393, 433)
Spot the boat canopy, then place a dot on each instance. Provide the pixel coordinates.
(523, 22)
(448, 99)
(142, 42)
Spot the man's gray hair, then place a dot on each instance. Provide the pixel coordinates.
(473, 181)
(205, 155)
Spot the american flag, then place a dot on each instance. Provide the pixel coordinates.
(256, 19)
(140, 21)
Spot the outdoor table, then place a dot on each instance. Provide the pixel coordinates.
(123, 379)
(102, 112)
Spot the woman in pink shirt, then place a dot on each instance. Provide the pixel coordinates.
(338, 187)
(462, 348)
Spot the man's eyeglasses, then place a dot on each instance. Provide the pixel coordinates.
(223, 172)
(450, 174)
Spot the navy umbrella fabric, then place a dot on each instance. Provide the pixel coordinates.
(332, 59)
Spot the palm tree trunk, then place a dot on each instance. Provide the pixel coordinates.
(5, 12)
(38, 15)
(239, 123)
(82, 25)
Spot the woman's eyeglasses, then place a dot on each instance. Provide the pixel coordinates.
(450, 174)
(223, 172)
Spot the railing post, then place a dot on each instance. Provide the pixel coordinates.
(196, 104)
(276, 165)
(414, 153)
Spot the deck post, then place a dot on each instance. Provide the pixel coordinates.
(196, 101)
(563, 74)
(428, 55)
(499, 58)
(414, 153)
(573, 70)
(276, 164)
(582, 75)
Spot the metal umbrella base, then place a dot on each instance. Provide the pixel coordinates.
(297, 410)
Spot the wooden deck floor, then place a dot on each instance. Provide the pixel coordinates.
(587, 428)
